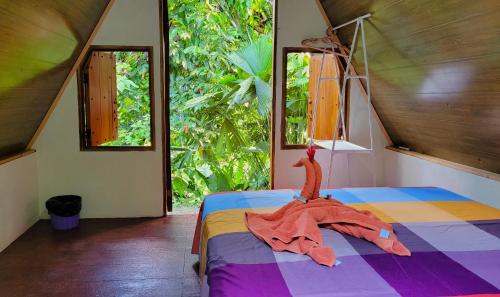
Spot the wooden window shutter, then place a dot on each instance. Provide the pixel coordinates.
(102, 98)
(328, 99)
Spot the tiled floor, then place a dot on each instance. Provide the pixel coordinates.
(103, 257)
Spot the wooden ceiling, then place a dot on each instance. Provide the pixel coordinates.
(435, 69)
(40, 41)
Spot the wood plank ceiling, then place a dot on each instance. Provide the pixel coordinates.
(435, 68)
(40, 41)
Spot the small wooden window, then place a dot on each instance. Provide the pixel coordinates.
(301, 69)
(116, 99)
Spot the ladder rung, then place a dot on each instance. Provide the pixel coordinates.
(329, 78)
(357, 76)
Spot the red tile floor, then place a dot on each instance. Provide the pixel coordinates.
(103, 257)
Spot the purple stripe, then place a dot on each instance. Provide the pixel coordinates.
(353, 277)
(237, 248)
(411, 240)
(485, 264)
(428, 274)
(247, 280)
(490, 226)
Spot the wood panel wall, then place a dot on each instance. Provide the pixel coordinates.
(328, 97)
(102, 98)
(435, 69)
(40, 41)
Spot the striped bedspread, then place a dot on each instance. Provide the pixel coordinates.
(455, 244)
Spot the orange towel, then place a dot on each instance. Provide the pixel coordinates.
(295, 228)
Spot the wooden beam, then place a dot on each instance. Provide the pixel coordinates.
(70, 75)
(465, 168)
(165, 109)
(273, 103)
(323, 13)
(16, 156)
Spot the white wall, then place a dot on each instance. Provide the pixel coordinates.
(404, 170)
(112, 184)
(19, 207)
(297, 20)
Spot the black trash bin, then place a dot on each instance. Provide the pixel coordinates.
(64, 211)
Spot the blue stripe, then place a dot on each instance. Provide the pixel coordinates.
(278, 198)
(433, 194)
(251, 199)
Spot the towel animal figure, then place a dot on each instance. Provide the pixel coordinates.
(295, 226)
(310, 191)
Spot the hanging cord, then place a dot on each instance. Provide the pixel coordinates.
(341, 99)
(323, 44)
(332, 40)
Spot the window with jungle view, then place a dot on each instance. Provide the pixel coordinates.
(116, 99)
(297, 96)
(302, 90)
(220, 55)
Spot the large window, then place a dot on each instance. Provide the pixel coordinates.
(116, 99)
(301, 70)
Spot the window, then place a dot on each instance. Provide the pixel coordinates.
(116, 99)
(301, 69)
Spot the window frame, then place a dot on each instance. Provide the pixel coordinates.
(83, 113)
(286, 51)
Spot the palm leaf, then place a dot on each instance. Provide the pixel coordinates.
(198, 102)
(264, 96)
(244, 87)
(256, 58)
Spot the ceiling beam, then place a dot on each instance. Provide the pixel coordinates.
(70, 75)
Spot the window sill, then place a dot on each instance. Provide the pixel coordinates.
(342, 146)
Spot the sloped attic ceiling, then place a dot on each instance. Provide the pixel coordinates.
(435, 69)
(40, 41)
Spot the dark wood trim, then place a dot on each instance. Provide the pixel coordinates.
(70, 75)
(273, 108)
(166, 108)
(286, 51)
(84, 115)
(11, 158)
(162, 111)
(165, 72)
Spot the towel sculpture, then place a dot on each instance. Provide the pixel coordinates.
(295, 226)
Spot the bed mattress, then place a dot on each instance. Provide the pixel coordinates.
(455, 245)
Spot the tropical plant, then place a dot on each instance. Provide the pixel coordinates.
(255, 67)
(220, 67)
(297, 95)
(132, 82)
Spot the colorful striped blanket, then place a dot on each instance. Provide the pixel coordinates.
(455, 245)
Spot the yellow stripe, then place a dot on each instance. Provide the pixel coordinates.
(469, 210)
(373, 209)
(434, 211)
(221, 222)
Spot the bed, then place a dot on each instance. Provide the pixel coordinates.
(455, 244)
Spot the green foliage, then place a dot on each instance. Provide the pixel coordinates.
(132, 82)
(297, 92)
(255, 63)
(220, 67)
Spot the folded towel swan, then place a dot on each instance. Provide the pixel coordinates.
(295, 226)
